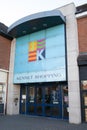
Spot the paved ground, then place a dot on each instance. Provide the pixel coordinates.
(23, 122)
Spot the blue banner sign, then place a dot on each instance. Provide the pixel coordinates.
(40, 57)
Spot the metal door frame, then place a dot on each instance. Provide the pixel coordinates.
(43, 86)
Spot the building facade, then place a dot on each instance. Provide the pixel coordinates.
(5, 45)
(47, 74)
(44, 73)
(82, 58)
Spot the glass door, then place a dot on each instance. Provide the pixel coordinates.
(39, 100)
(53, 101)
(65, 102)
(56, 101)
(48, 99)
(30, 99)
(23, 100)
(1, 99)
(35, 100)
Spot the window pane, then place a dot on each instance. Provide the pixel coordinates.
(31, 94)
(85, 98)
(39, 110)
(86, 114)
(1, 93)
(48, 110)
(84, 84)
(23, 99)
(47, 95)
(55, 95)
(39, 95)
(31, 109)
(55, 111)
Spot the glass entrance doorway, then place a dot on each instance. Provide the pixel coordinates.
(49, 100)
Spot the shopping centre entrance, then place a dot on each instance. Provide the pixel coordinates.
(44, 99)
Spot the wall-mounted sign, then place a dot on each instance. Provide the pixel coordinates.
(58, 75)
(40, 57)
(37, 50)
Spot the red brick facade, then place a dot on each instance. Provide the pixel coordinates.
(5, 45)
(82, 34)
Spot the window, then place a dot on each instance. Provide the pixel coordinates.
(1, 93)
(84, 99)
(84, 84)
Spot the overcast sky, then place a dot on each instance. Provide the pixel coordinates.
(13, 10)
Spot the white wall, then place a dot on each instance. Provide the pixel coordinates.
(72, 67)
(13, 90)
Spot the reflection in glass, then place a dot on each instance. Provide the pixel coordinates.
(85, 98)
(23, 99)
(65, 101)
(55, 95)
(39, 110)
(86, 114)
(84, 84)
(55, 111)
(65, 95)
(47, 95)
(31, 109)
(31, 94)
(48, 110)
(39, 95)
(1, 93)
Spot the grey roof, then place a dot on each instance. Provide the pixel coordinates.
(81, 8)
(36, 22)
(3, 27)
(3, 31)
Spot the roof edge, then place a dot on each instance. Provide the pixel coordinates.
(36, 16)
(6, 35)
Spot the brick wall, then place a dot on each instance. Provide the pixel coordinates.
(5, 45)
(82, 34)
